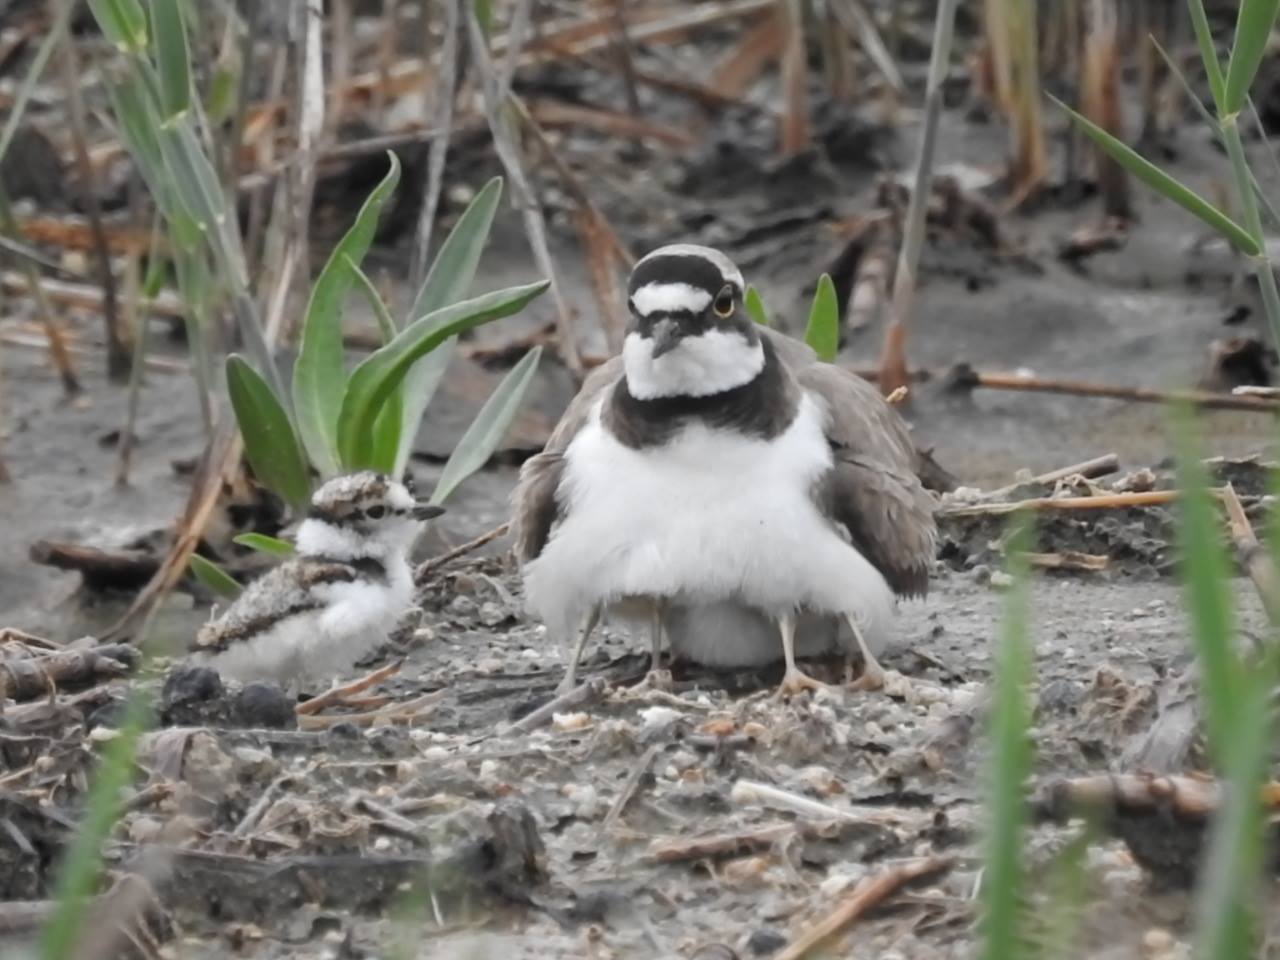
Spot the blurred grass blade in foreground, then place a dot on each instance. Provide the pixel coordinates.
(1003, 878)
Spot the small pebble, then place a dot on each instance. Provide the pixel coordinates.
(344, 730)
(567, 722)
(765, 941)
(1001, 580)
(263, 705)
(1157, 941)
(463, 607)
(190, 684)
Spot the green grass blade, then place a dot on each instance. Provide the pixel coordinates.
(386, 323)
(1204, 574)
(265, 544)
(172, 56)
(755, 307)
(19, 106)
(82, 865)
(214, 577)
(318, 373)
(823, 330)
(122, 22)
(269, 441)
(1164, 184)
(1003, 880)
(1253, 30)
(489, 427)
(1230, 879)
(375, 379)
(448, 281)
(1212, 68)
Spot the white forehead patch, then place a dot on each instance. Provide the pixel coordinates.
(659, 297)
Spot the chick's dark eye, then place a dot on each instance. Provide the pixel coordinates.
(375, 513)
(723, 305)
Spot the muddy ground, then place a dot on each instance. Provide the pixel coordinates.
(287, 843)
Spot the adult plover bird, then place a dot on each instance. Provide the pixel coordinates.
(753, 499)
(336, 599)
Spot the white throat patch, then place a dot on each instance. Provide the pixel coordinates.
(712, 362)
(669, 297)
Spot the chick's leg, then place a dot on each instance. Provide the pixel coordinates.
(872, 673)
(794, 681)
(571, 670)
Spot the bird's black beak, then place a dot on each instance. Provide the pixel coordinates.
(666, 336)
(426, 511)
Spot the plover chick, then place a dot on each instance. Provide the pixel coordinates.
(717, 478)
(336, 599)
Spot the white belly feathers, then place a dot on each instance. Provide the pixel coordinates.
(711, 516)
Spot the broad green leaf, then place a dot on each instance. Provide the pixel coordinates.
(1253, 30)
(1165, 185)
(375, 379)
(386, 324)
(172, 56)
(488, 428)
(1208, 54)
(823, 330)
(386, 431)
(265, 544)
(318, 373)
(269, 440)
(1009, 764)
(451, 273)
(1204, 574)
(122, 22)
(214, 577)
(755, 308)
(448, 281)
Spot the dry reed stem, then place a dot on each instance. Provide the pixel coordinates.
(522, 193)
(445, 93)
(339, 693)
(1089, 469)
(1199, 398)
(1100, 102)
(795, 77)
(869, 893)
(761, 45)
(893, 362)
(428, 567)
(1255, 557)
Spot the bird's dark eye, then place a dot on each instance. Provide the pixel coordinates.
(375, 513)
(723, 305)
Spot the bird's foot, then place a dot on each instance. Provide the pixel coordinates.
(654, 680)
(872, 678)
(796, 681)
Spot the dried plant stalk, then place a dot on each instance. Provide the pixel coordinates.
(1030, 165)
(795, 75)
(1100, 101)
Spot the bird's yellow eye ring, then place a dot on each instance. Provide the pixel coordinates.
(723, 305)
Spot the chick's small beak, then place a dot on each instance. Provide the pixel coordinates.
(426, 511)
(666, 336)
